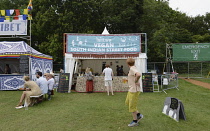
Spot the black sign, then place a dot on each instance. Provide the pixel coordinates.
(63, 85)
(24, 64)
(174, 108)
(147, 82)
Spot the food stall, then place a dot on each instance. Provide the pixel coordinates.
(23, 60)
(97, 50)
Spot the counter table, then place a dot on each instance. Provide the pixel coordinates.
(118, 84)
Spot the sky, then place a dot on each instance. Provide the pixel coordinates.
(191, 7)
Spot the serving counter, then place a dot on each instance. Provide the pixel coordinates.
(11, 81)
(118, 84)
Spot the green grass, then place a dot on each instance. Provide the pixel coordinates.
(207, 80)
(99, 112)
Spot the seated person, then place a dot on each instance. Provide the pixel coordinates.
(42, 82)
(51, 82)
(32, 89)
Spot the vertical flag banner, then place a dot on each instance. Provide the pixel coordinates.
(30, 5)
(29, 10)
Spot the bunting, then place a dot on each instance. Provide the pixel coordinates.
(17, 14)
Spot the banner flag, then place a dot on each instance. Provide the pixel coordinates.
(21, 11)
(20, 17)
(2, 19)
(17, 13)
(11, 19)
(29, 17)
(3, 12)
(30, 5)
(25, 11)
(7, 12)
(24, 17)
(7, 17)
(11, 11)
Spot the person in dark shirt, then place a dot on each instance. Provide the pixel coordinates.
(121, 72)
(118, 70)
(7, 69)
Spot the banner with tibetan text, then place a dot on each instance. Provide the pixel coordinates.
(16, 27)
(103, 44)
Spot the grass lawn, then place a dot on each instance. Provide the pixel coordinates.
(99, 112)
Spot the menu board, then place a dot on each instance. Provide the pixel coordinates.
(63, 85)
(24, 64)
(147, 82)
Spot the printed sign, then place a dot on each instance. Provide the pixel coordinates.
(174, 108)
(147, 82)
(16, 27)
(103, 44)
(191, 52)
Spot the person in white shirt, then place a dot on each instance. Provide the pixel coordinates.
(51, 82)
(108, 78)
(42, 82)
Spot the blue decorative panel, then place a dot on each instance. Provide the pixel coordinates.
(11, 82)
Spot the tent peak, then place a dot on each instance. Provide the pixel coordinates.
(105, 32)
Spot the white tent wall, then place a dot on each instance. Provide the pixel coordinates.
(76, 64)
(69, 68)
(141, 64)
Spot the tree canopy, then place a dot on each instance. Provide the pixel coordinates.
(53, 18)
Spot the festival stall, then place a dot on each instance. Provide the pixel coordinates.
(23, 60)
(97, 50)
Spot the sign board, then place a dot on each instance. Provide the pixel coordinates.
(191, 52)
(24, 64)
(63, 85)
(15, 27)
(147, 82)
(174, 108)
(100, 44)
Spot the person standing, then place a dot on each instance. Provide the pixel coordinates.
(121, 72)
(42, 82)
(118, 70)
(133, 92)
(108, 78)
(89, 80)
(7, 69)
(50, 83)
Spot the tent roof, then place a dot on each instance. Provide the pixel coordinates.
(18, 47)
(105, 32)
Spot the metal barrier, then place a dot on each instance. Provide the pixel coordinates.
(169, 81)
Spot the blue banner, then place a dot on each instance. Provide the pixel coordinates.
(103, 44)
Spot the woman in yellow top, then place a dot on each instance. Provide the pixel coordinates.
(32, 89)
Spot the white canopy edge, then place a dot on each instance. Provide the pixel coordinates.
(71, 63)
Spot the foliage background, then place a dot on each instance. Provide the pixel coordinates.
(52, 18)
